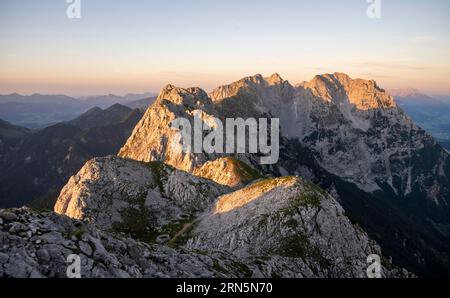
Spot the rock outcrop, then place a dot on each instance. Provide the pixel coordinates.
(289, 227)
(137, 197)
(291, 222)
(347, 135)
(37, 244)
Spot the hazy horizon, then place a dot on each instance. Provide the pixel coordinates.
(81, 94)
(140, 46)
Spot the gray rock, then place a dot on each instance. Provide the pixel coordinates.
(3, 258)
(114, 255)
(51, 237)
(17, 228)
(43, 255)
(85, 248)
(8, 216)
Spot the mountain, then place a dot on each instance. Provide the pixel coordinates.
(347, 135)
(297, 229)
(9, 131)
(37, 98)
(104, 101)
(97, 117)
(130, 97)
(142, 104)
(430, 113)
(39, 111)
(356, 176)
(36, 166)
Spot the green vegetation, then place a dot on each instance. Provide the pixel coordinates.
(179, 231)
(218, 268)
(298, 246)
(242, 268)
(306, 199)
(313, 187)
(246, 172)
(137, 220)
(160, 172)
(263, 220)
(78, 233)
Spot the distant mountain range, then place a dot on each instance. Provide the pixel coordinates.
(39, 111)
(35, 164)
(430, 113)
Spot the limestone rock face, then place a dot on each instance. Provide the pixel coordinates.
(339, 88)
(38, 244)
(43, 243)
(227, 171)
(283, 227)
(154, 139)
(288, 220)
(127, 195)
(349, 136)
(346, 134)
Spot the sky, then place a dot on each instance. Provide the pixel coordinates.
(122, 46)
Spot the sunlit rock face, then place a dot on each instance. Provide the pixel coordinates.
(345, 134)
(297, 230)
(115, 193)
(291, 222)
(153, 139)
(349, 136)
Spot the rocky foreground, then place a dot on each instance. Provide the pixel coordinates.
(274, 227)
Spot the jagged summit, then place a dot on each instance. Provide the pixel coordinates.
(275, 79)
(189, 97)
(340, 88)
(255, 83)
(337, 88)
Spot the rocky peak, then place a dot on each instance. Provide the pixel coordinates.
(153, 138)
(193, 96)
(114, 193)
(255, 83)
(275, 79)
(339, 88)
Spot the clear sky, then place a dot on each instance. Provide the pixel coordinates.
(121, 46)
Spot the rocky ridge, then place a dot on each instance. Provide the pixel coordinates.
(345, 134)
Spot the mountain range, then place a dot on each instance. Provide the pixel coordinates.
(39, 111)
(35, 164)
(432, 114)
(356, 177)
